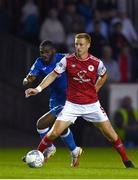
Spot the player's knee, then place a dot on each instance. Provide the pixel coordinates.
(39, 124)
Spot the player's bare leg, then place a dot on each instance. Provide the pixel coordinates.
(108, 131)
(56, 130)
(43, 126)
(45, 121)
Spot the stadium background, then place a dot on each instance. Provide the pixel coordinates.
(17, 53)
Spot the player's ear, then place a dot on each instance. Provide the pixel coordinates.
(88, 45)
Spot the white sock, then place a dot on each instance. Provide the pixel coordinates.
(41, 131)
(75, 151)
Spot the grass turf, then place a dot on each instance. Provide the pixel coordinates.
(95, 163)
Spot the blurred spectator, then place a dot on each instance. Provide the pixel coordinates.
(128, 29)
(98, 40)
(124, 61)
(104, 30)
(85, 9)
(29, 8)
(4, 19)
(29, 21)
(117, 39)
(67, 16)
(76, 27)
(126, 122)
(107, 8)
(106, 5)
(52, 29)
(110, 64)
(122, 5)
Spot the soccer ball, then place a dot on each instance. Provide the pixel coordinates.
(34, 159)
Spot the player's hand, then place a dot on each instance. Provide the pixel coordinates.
(31, 92)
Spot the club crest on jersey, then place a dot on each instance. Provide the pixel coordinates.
(81, 77)
(91, 68)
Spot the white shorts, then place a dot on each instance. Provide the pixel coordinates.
(90, 112)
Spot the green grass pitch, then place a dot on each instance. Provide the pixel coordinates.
(95, 163)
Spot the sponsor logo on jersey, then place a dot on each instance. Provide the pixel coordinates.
(82, 77)
(73, 65)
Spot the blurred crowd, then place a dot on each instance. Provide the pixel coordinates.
(112, 31)
(126, 121)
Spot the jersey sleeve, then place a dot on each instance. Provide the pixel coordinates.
(34, 70)
(61, 66)
(101, 69)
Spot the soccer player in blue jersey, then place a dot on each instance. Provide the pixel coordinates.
(42, 67)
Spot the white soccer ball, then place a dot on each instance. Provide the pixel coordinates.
(34, 159)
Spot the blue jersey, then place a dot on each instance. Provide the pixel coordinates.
(58, 87)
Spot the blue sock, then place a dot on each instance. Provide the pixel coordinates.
(42, 132)
(68, 139)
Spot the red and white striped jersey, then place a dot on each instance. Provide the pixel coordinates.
(81, 77)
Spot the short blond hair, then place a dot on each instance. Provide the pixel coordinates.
(84, 35)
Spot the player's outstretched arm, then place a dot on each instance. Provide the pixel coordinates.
(45, 83)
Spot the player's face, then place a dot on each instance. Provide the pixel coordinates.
(81, 47)
(47, 53)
